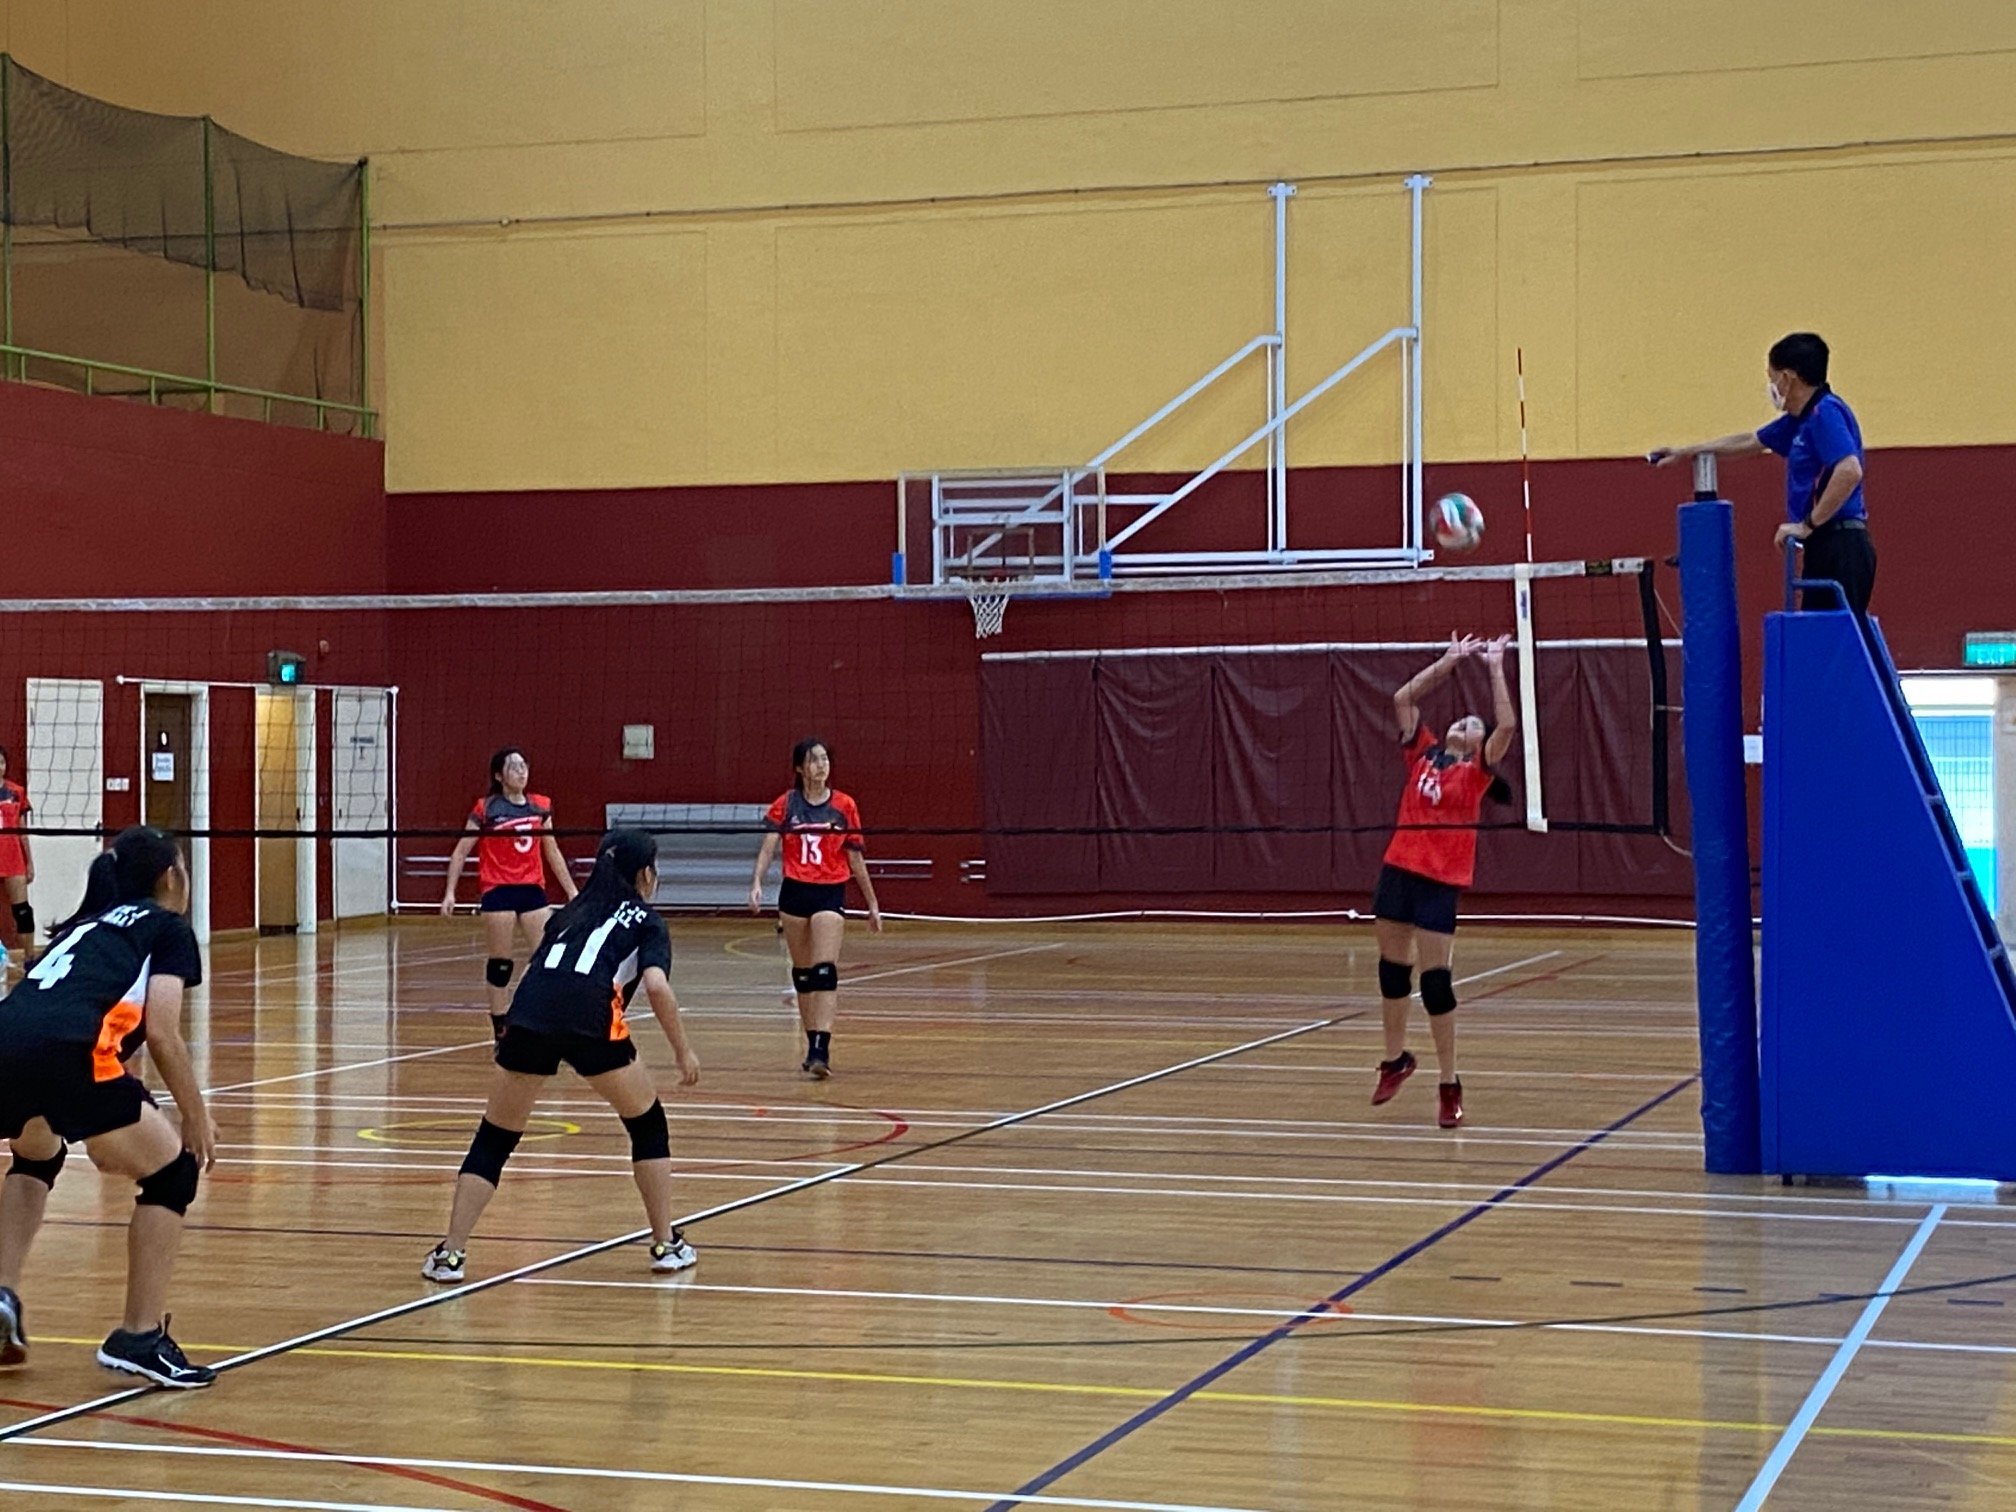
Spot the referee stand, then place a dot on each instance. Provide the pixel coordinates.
(1888, 1023)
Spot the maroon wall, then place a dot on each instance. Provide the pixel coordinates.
(897, 688)
(107, 498)
(113, 497)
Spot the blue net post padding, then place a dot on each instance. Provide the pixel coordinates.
(1724, 969)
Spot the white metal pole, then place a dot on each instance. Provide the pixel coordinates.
(1525, 452)
(1529, 697)
(1417, 187)
(1277, 397)
(1408, 541)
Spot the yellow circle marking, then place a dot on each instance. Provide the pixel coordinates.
(457, 1131)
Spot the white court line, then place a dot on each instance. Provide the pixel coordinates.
(1664, 1078)
(582, 1252)
(992, 955)
(1525, 1205)
(586, 1472)
(1809, 1410)
(1435, 1320)
(391, 1060)
(1446, 1188)
(383, 1060)
(1158, 1124)
(198, 1499)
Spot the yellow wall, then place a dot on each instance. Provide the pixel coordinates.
(646, 242)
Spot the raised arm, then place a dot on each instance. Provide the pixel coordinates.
(456, 860)
(1407, 700)
(1504, 715)
(1737, 444)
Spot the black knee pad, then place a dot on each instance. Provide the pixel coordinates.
(803, 978)
(497, 971)
(1438, 993)
(173, 1186)
(1396, 979)
(43, 1171)
(488, 1151)
(825, 977)
(24, 921)
(649, 1139)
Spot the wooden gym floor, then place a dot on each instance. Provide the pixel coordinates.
(1235, 1286)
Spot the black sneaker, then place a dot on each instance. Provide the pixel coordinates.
(13, 1331)
(153, 1355)
(819, 1067)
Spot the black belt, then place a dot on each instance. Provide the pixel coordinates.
(1858, 523)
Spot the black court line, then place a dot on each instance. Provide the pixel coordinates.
(453, 1294)
(1316, 1310)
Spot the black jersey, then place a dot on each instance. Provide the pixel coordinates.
(90, 987)
(587, 967)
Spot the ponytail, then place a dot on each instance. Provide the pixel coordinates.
(619, 856)
(126, 871)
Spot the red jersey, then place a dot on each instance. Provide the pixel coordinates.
(508, 854)
(14, 807)
(817, 836)
(1438, 812)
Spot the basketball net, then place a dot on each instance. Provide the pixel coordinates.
(989, 611)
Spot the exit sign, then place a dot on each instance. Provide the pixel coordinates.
(1990, 648)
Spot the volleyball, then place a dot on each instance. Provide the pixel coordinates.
(1459, 523)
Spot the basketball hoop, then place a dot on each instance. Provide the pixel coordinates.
(989, 611)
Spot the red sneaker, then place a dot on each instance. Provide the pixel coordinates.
(1451, 1094)
(1391, 1074)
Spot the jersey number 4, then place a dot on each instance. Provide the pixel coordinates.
(55, 965)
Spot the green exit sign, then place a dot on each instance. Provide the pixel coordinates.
(1990, 648)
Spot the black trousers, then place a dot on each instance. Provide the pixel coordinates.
(1847, 557)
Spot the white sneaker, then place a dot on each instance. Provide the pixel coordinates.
(673, 1254)
(444, 1264)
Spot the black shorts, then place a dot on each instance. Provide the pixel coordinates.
(1406, 897)
(55, 1083)
(514, 898)
(531, 1053)
(801, 900)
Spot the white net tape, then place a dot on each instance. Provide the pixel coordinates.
(989, 611)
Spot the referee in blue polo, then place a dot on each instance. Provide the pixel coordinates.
(1818, 436)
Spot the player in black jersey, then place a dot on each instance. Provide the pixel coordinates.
(111, 980)
(596, 952)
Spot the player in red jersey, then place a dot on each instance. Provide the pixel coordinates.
(1432, 858)
(819, 829)
(511, 829)
(17, 861)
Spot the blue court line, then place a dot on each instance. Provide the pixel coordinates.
(1320, 1309)
(1788, 1442)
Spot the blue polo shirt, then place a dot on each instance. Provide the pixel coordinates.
(1813, 442)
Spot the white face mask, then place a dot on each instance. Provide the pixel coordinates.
(1776, 395)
